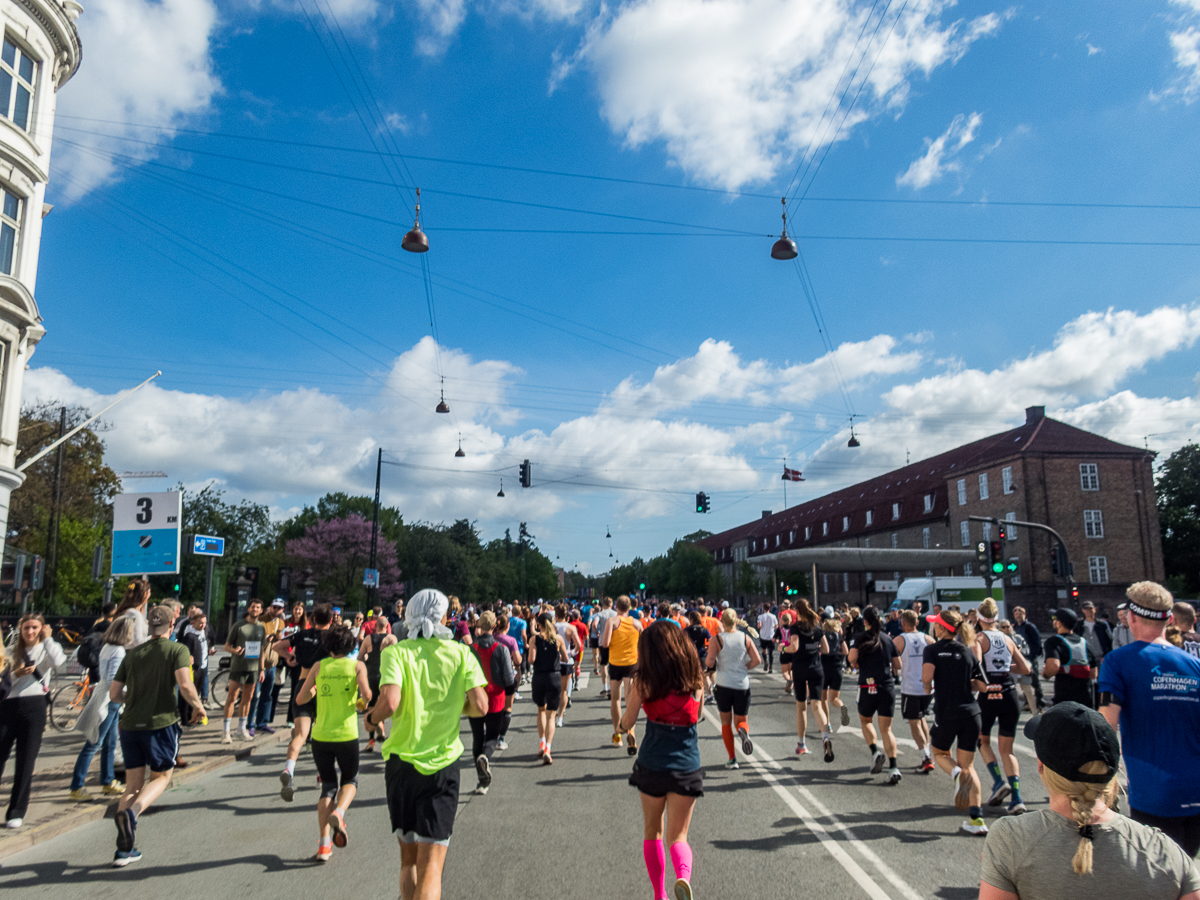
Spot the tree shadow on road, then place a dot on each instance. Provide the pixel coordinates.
(28, 876)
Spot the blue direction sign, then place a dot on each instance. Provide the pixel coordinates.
(204, 545)
(370, 578)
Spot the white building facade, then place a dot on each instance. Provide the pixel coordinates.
(39, 53)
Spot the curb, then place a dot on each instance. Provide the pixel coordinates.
(83, 813)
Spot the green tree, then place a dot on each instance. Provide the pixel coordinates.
(747, 581)
(1178, 488)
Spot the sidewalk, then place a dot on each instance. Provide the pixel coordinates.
(52, 813)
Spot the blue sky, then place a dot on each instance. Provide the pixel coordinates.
(199, 229)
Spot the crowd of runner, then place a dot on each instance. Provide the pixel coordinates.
(410, 673)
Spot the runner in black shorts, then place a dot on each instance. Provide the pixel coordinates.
(307, 647)
(806, 644)
(831, 667)
(998, 704)
(951, 673)
(787, 619)
(547, 653)
(875, 655)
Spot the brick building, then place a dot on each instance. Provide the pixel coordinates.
(1096, 493)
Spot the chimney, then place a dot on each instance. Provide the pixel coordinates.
(767, 514)
(1034, 414)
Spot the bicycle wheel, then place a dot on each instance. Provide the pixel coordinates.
(219, 689)
(66, 704)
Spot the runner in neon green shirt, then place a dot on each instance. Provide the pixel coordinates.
(341, 684)
(426, 683)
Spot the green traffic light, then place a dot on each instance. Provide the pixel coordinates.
(998, 568)
(1012, 567)
(642, 586)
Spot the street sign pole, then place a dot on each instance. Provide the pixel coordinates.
(208, 579)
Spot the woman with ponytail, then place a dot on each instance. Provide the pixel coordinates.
(547, 653)
(1080, 847)
(952, 674)
(875, 657)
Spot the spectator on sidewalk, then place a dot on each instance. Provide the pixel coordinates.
(1033, 638)
(245, 645)
(33, 657)
(262, 709)
(134, 605)
(149, 727)
(427, 682)
(1151, 691)
(88, 653)
(198, 637)
(1121, 634)
(98, 722)
(1095, 632)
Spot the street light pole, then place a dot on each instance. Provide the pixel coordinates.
(371, 591)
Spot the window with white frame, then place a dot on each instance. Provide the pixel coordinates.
(824, 528)
(929, 498)
(792, 536)
(967, 569)
(983, 486)
(870, 576)
(895, 511)
(870, 517)
(925, 538)
(1010, 530)
(962, 492)
(895, 576)
(777, 540)
(17, 72)
(845, 523)
(964, 530)
(825, 583)
(1093, 523)
(895, 540)
(10, 227)
(866, 542)
(987, 531)
(1098, 569)
(807, 532)
(846, 581)
(929, 573)
(1089, 476)
(1006, 477)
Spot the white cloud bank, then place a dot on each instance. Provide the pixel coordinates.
(145, 62)
(736, 89)
(941, 153)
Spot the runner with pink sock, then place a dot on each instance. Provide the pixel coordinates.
(668, 684)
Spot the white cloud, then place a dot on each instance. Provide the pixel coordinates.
(146, 62)
(941, 153)
(441, 19)
(1185, 46)
(1093, 50)
(737, 88)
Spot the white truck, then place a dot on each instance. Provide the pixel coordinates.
(965, 593)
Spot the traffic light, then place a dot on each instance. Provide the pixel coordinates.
(701, 502)
(642, 586)
(982, 554)
(1055, 569)
(1074, 593)
(526, 474)
(38, 574)
(175, 587)
(996, 555)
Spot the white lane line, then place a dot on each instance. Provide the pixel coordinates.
(828, 841)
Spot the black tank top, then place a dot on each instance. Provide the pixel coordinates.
(808, 654)
(547, 660)
(834, 657)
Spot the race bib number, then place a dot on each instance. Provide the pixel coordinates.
(253, 649)
(871, 687)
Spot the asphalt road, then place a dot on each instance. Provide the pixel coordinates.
(776, 828)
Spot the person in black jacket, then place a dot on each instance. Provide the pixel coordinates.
(1033, 638)
(1097, 632)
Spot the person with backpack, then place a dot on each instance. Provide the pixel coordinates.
(1069, 661)
(88, 654)
(496, 662)
(99, 718)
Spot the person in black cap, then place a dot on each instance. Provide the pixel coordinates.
(1069, 661)
(1026, 857)
(1121, 634)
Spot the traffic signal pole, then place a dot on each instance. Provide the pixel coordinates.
(1064, 562)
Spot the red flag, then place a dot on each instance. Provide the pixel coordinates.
(791, 475)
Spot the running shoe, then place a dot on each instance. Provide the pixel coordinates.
(126, 829)
(288, 789)
(227, 738)
(516, 695)
(480, 789)
(962, 791)
(732, 764)
(631, 747)
(558, 720)
(483, 767)
(974, 826)
(927, 766)
(801, 749)
(246, 735)
(845, 714)
(114, 787)
(683, 889)
(250, 731)
(80, 796)
(266, 729)
(338, 823)
(1000, 790)
(370, 748)
(501, 744)
(877, 762)
(324, 852)
(827, 743)
(747, 744)
(1016, 808)
(546, 759)
(616, 739)
(541, 750)
(894, 776)
(123, 858)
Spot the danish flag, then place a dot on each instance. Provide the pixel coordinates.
(791, 475)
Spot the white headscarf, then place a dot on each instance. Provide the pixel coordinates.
(424, 612)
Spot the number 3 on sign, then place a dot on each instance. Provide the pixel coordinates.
(145, 513)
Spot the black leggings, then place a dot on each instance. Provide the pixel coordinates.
(485, 731)
(768, 649)
(22, 721)
(332, 756)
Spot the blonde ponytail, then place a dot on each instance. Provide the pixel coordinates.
(1083, 797)
(546, 627)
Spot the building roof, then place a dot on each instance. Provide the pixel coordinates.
(920, 489)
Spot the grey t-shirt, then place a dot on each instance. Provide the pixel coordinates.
(1030, 856)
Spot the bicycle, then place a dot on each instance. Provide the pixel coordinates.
(218, 687)
(68, 702)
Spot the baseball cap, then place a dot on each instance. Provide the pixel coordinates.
(724, 604)
(1124, 604)
(1066, 615)
(1068, 736)
(1088, 604)
(160, 617)
(278, 602)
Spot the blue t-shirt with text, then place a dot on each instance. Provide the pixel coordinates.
(1158, 690)
(516, 631)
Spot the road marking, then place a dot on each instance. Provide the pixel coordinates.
(828, 840)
